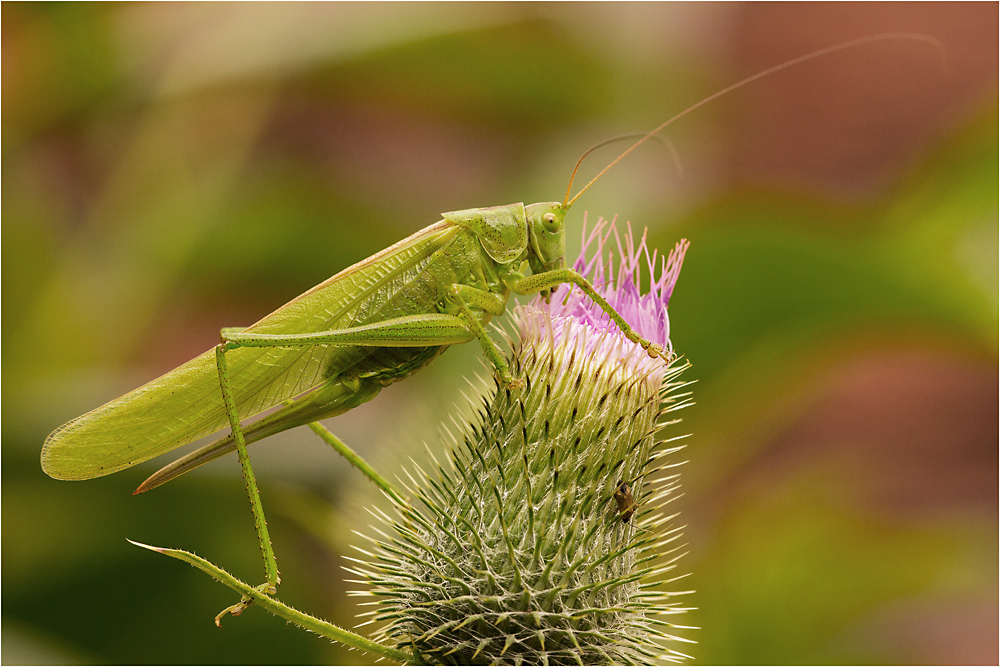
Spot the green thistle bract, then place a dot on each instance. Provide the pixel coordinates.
(521, 551)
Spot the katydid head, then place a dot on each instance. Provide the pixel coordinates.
(546, 236)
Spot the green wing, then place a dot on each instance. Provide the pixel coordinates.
(186, 403)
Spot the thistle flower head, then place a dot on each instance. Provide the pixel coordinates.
(542, 539)
(572, 313)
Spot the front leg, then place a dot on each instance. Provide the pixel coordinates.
(550, 279)
(464, 298)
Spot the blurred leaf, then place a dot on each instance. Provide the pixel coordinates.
(61, 59)
(941, 232)
(768, 292)
(528, 72)
(790, 570)
(285, 232)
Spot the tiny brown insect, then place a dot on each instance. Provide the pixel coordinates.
(626, 503)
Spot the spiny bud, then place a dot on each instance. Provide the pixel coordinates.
(543, 538)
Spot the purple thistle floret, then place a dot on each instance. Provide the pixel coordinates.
(576, 319)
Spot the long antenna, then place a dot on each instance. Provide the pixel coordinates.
(567, 202)
(667, 143)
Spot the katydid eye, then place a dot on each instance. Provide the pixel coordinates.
(549, 222)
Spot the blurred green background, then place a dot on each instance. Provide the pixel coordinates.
(171, 169)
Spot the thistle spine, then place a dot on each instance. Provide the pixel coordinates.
(517, 553)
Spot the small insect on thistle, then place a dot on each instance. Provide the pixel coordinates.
(626, 503)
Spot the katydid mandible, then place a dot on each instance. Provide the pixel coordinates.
(336, 346)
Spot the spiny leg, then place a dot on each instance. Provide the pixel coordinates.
(270, 564)
(464, 297)
(355, 460)
(549, 279)
(419, 330)
(406, 331)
